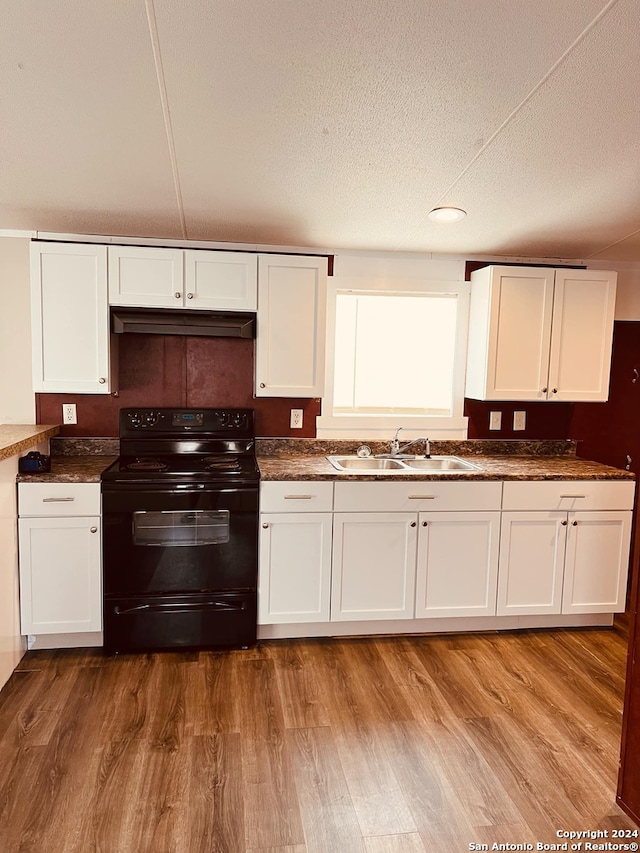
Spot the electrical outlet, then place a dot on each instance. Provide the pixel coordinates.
(296, 419)
(495, 420)
(519, 420)
(69, 413)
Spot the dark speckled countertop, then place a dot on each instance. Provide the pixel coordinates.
(83, 460)
(305, 459)
(79, 460)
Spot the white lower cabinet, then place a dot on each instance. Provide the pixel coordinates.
(295, 567)
(457, 570)
(374, 566)
(555, 556)
(295, 552)
(60, 558)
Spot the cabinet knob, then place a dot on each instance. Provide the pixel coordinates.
(575, 523)
(425, 523)
(93, 529)
(265, 525)
(414, 524)
(189, 295)
(544, 390)
(262, 385)
(564, 523)
(102, 380)
(177, 295)
(554, 390)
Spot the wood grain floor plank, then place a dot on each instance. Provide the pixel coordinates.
(409, 843)
(377, 798)
(329, 818)
(436, 810)
(211, 696)
(302, 702)
(272, 814)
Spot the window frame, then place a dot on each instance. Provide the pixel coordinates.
(371, 426)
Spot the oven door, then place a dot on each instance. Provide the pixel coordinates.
(179, 539)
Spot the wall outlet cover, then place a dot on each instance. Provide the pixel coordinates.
(495, 420)
(296, 419)
(69, 415)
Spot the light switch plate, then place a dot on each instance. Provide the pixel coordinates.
(519, 421)
(495, 420)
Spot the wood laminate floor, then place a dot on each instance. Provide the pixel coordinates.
(388, 745)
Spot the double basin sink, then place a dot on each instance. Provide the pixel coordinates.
(415, 465)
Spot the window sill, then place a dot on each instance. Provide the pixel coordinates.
(381, 426)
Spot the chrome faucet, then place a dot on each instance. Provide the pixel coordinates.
(396, 450)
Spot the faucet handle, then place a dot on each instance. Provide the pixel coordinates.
(395, 444)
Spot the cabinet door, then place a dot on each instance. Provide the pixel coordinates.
(457, 571)
(532, 547)
(224, 281)
(510, 333)
(582, 334)
(290, 337)
(146, 277)
(374, 566)
(295, 568)
(70, 318)
(597, 562)
(60, 575)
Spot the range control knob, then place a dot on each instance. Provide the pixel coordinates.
(134, 419)
(151, 418)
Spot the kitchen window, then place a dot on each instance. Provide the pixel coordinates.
(396, 357)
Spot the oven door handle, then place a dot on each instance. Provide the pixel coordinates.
(176, 607)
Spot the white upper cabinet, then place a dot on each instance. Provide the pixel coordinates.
(70, 318)
(146, 277)
(540, 334)
(290, 338)
(224, 281)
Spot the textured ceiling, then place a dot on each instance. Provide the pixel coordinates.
(329, 123)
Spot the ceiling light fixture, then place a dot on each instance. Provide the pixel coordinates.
(447, 214)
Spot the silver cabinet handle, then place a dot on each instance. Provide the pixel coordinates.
(262, 385)
(564, 523)
(298, 497)
(189, 295)
(554, 390)
(177, 294)
(93, 529)
(413, 524)
(575, 523)
(55, 500)
(102, 380)
(265, 525)
(544, 390)
(425, 523)
(422, 497)
(573, 496)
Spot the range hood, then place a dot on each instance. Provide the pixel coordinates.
(168, 321)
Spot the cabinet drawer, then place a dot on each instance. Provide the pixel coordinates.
(568, 495)
(297, 496)
(419, 495)
(58, 499)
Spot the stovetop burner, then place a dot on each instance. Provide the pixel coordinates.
(221, 463)
(150, 464)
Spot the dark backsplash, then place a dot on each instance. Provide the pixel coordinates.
(156, 370)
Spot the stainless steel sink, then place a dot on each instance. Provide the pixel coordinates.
(371, 465)
(365, 464)
(441, 463)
